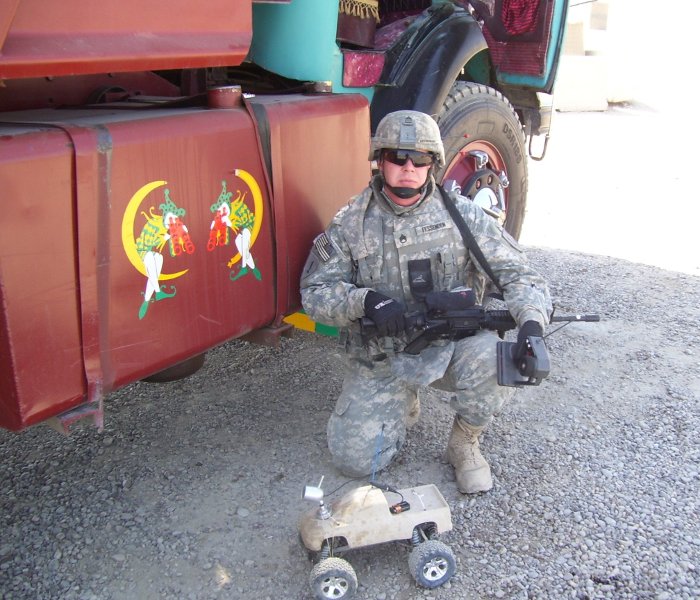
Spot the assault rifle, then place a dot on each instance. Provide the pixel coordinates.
(422, 327)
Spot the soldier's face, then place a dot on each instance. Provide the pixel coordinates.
(407, 175)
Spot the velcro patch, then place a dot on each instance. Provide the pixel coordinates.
(324, 247)
(432, 227)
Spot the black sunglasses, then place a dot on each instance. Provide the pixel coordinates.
(400, 157)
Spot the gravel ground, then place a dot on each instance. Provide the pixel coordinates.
(193, 489)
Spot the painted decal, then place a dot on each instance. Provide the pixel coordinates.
(146, 252)
(236, 215)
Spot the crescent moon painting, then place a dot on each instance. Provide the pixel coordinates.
(232, 214)
(145, 253)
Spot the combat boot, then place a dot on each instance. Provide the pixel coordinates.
(471, 469)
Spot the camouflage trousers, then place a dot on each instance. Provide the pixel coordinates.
(367, 427)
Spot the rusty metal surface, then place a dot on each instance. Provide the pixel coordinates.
(41, 38)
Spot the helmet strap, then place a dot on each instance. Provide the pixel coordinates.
(404, 192)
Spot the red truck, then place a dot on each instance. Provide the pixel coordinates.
(173, 161)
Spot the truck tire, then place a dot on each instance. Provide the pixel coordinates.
(477, 117)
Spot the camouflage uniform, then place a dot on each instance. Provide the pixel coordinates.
(367, 246)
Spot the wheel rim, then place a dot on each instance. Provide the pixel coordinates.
(334, 587)
(463, 165)
(435, 569)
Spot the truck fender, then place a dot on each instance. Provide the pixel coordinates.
(421, 77)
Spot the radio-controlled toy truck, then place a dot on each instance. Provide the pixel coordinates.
(365, 517)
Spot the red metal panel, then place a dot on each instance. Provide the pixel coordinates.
(168, 174)
(132, 171)
(8, 8)
(40, 356)
(40, 38)
(155, 228)
(318, 146)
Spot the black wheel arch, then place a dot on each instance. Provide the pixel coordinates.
(420, 74)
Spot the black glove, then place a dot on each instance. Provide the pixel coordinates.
(386, 313)
(528, 328)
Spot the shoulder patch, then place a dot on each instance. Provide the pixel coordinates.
(323, 246)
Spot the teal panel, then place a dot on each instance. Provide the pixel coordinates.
(297, 40)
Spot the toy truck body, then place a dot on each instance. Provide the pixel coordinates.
(363, 518)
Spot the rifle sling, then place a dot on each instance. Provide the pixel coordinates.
(468, 237)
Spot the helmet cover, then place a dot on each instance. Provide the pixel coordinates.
(408, 130)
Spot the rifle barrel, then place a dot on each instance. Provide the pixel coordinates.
(574, 318)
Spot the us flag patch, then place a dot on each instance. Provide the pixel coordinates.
(323, 246)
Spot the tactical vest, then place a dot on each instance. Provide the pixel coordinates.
(384, 247)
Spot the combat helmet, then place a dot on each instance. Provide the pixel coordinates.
(408, 130)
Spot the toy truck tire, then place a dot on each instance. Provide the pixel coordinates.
(333, 578)
(477, 117)
(432, 563)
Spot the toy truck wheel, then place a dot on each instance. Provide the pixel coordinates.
(432, 563)
(478, 120)
(333, 578)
